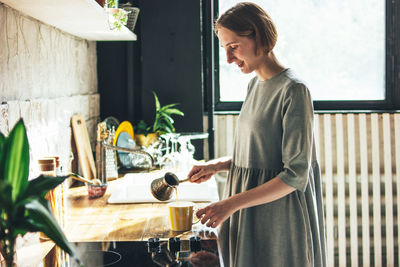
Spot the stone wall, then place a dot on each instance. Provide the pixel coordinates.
(46, 76)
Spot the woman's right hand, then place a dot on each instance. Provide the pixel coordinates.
(202, 173)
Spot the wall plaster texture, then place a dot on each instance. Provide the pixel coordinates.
(46, 76)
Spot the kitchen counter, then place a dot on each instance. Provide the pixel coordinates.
(94, 220)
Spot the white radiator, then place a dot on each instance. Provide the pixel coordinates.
(359, 156)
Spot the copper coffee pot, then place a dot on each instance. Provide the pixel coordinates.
(162, 188)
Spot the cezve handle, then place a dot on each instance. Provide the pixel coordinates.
(185, 180)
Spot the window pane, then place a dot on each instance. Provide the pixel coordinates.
(336, 47)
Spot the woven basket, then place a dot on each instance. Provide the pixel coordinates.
(132, 17)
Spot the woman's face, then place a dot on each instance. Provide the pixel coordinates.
(240, 50)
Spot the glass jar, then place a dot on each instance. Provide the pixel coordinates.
(47, 166)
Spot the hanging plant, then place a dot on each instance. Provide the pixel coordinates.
(117, 18)
(112, 3)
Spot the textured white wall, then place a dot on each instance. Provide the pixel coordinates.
(46, 76)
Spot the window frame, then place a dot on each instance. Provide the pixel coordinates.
(392, 72)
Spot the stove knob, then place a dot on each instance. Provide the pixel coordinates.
(153, 245)
(195, 244)
(174, 244)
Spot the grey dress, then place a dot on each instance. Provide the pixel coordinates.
(274, 137)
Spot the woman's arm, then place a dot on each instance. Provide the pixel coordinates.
(270, 191)
(202, 172)
(218, 212)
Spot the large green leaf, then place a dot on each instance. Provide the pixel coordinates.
(41, 185)
(39, 217)
(16, 166)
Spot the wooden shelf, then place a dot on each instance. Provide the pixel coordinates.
(82, 18)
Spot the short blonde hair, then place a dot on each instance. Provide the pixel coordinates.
(250, 20)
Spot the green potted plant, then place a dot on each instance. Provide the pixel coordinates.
(116, 16)
(23, 207)
(163, 123)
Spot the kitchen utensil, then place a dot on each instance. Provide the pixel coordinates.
(83, 147)
(125, 141)
(125, 126)
(162, 188)
(111, 122)
(95, 187)
(83, 179)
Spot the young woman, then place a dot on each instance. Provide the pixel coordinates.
(271, 213)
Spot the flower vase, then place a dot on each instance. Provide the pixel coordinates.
(146, 140)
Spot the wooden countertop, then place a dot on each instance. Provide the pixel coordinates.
(94, 220)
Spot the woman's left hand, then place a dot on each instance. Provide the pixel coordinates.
(216, 213)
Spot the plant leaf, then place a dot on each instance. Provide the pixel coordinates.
(148, 130)
(40, 218)
(169, 129)
(2, 155)
(141, 127)
(168, 106)
(21, 231)
(16, 166)
(42, 184)
(174, 111)
(2, 141)
(156, 101)
(5, 194)
(157, 121)
(168, 119)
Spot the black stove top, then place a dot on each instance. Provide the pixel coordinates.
(154, 252)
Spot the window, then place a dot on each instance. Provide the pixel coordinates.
(343, 50)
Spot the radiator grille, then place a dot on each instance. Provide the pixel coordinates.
(360, 159)
(359, 156)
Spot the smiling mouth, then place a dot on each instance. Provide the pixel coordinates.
(241, 64)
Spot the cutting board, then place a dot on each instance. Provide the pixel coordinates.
(135, 188)
(83, 147)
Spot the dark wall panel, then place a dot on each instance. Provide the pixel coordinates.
(171, 60)
(112, 78)
(166, 59)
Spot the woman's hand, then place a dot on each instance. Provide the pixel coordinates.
(216, 213)
(201, 173)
